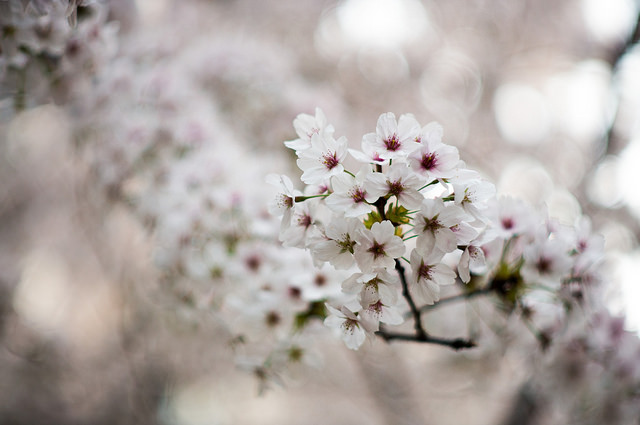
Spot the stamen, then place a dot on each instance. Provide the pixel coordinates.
(330, 160)
(429, 161)
(395, 188)
(377, 250)
(425, 271)
(392, 143)
(358, 195)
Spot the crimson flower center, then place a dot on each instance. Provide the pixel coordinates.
(305, 220)
(392, 143)
(395, 188)
(358, 195)
(507, 223)
(429, 161)
(425, 271)
(330, 160)
(377, 250)
(544, 265)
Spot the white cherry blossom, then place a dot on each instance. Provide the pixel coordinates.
(472, 196)
(306, 126)
(349, 195)
(434, 159)
(393, 139)
(338, 245)
(303, 226)
(546, 262)
(283, 203)
(399, 181)
(472, 259)
(352, 327)
(428, 275)
(323, 159)
(433, 225)
(378, 247)
(373, 287)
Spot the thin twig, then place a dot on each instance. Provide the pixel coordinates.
(456, 343)
(458, 297)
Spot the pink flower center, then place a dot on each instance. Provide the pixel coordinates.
(429, 161)
(358, 195)
(330, 160)
(424, 271)
(376, 308)
(395, 188)
(305, 220)
(392, 143)
(349, 326)
(377, 250)
(507, 223)
(285, 201)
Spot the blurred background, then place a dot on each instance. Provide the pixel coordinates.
(100, 189)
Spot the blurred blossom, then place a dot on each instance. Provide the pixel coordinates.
(526, 178)
(604, 186)
(564, 206)
(629, 176)
(134, 220)
(379, 32)
(43, 295)
(521, 113)
(628, 87)
(610, 21)
(618, 237)
(382, 67)
(451, 76)
(381, 23)
(582, 100)
(624, 266)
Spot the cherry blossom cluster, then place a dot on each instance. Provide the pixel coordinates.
(156, 140)
(411, 202)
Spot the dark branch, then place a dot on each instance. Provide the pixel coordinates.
(420, 332)
(456, 343)
(614, 60)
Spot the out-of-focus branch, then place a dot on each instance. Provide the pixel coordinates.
(614, 60)
(525, 408)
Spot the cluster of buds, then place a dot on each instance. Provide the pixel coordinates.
(413, 203)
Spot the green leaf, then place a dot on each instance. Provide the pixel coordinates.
(372, 217)
(398, 215)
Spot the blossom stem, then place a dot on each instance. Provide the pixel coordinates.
(350, 173)
(304, 198)
(428, 184)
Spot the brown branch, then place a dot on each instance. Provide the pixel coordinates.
(456, 343)
(415, 312)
